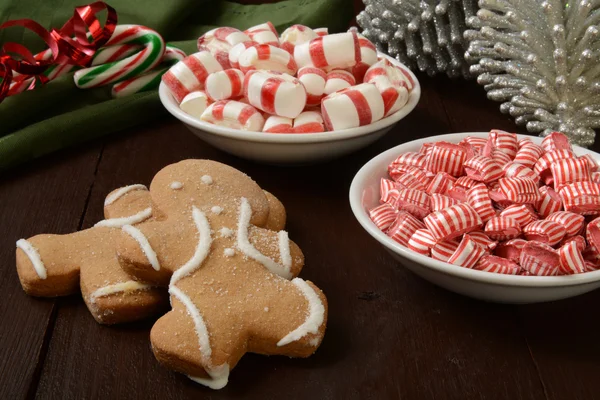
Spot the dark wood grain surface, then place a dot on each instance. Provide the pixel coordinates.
(390, 334)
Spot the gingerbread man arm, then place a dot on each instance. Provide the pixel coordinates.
(277, 214)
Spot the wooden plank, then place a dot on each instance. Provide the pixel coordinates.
(390, 333)
(48, 195)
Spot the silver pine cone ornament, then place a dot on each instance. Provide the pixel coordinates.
(542, 60)
(425, 35)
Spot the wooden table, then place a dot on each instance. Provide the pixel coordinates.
(390, 334)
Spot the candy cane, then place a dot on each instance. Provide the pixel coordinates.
(134, 65)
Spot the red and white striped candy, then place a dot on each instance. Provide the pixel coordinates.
(573, 223)
(411, 159)
(503, 141)
(409, 181)
(368, 57)
(352, 107)
(571, 259)
(338, 79)
(309, 122)
(267, 57)
(483, 169)
(314, 80)
(263, 34)
(383, 216)
(223, 38)
(592, 234)
(195, 103)
(441, 183)
(385, 186)
(444, 249)
(528, 154)
(295, 35)
(581, 198)
(415, 202)
(549, 202)
(556, 141)
(577, 239)
(516, 170)
(393, 83)
(277, 124)
(483, 240)
(237, 50)
(520, 190)
(234, 114)
(321, 31)
(478, 197)
(401, 170)
(459, 190)
(592, 163)
(477, 142)
(426, 148)
(570, 170)
(190, 74)
(546, 160)
(275, 93)
(545, 231)
(439, 201)
(340, 50)
(421, 242)
(467, 254)
(447, 157)
(539, 259)
(500, 157)
(502, 228)
(523, 214)
(498, 265)
(223, 85)
(511, 249)
(452, 221)
(596, 177)
(404, 227)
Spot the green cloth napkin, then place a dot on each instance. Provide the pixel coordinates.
(58, 114)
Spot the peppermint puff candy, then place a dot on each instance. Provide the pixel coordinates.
(309, 122)
(352, 107)
(368, 57)
(453, 221)
(195, 103)
(277, 124)
(149, 80)
(467, 253)
(321, 31)
(263, 34)
(267, 57)
(314, 80)
(153, 48)
(222, 39)
(275, 93)
(237, 50)
(340, 50)
(234, 114)
(189, 75)
(392, 82)
(295, 35)
(338, 79)
(226, 84)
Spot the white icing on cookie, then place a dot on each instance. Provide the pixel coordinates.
(248, 249)
(202, 249)
(284, 250)
(176, 185)
(144, 245)
(216, 210)
(229, 252)
(226, 232)
(117, 194)
(130, 220)
(122, 287)
(219, 375)
(316, 314)
(34, 257)
(207, 179)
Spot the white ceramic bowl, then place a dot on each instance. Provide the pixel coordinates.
(291, 149)
(364, 194)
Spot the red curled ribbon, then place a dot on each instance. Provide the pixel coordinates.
(75, 43)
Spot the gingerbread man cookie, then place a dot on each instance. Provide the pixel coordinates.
(59, 265)
(233, 282)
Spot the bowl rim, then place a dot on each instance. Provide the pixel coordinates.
(355, 195)
(171, 105)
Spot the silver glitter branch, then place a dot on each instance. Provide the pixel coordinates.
(425, 35)
(541, 59)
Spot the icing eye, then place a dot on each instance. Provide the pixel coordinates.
(175, 185)
(207, 179)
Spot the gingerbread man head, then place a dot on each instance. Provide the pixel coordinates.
(232, 281)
